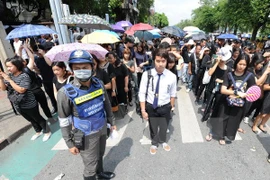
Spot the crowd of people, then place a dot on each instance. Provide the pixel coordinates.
(144, 73)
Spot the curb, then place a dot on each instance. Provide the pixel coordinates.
(14, 136)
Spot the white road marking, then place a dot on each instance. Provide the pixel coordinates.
(190, 129)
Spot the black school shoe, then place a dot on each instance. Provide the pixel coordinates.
(105, 175)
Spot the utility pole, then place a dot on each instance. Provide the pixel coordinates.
(57, 13)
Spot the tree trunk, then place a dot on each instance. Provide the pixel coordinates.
(235, 29)
(255, 31)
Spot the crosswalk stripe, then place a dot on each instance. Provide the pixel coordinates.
(190, 129)
(146, 134)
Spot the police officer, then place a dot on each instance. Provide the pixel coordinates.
(84, 104)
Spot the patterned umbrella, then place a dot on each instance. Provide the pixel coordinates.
(117, 28)
(124, 23)
(29, 30)
(99, 37)
(85, 20)
(62, 52)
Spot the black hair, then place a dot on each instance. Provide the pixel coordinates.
(36, 47)
(242, 57)
(60, 64)
(164, 45)
(174, 46)
(17, 61)
(256, 59)
(142, 46)
(162, 53)
(172, 58)
(118, 61)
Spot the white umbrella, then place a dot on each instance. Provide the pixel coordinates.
(191, 28)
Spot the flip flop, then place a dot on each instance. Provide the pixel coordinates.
(265, 132)
(222, 142)
(241, 130)
(208, 137)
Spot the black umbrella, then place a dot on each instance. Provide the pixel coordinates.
(209, 105)
(199, 36)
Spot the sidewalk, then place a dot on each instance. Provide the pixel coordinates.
(11, 125)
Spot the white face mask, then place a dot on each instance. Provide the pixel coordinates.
(83, 75)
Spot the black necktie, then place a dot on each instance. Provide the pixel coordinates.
(155, 103)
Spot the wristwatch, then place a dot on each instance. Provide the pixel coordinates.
(113, 90)
(235, 92)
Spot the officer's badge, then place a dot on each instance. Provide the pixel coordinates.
(78, 53)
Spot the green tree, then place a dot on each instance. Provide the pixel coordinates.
(204, 18)
(158, 20)
(162, 20)
(184, 23)
(144, 8)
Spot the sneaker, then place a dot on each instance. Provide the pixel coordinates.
(35, 136)
(246, 119)
(130, 104)
(166, 147)
(46, 136)
(153, 150)
(168, 131)
(188, 90)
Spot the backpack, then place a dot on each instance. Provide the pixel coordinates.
(33, 76)
(138, 107)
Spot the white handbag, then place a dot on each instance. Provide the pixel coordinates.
(206, 77)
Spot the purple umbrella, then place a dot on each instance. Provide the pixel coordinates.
(117, 28)
(124, 23)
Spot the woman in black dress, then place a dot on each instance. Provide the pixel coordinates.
(121, 74)
(229, 121)
(265, 110)
(256, 68)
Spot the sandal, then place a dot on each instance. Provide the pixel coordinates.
(222, 142)
(241, 130)
(208, 137)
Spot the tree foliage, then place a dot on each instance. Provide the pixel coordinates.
(159, 20)
(232, 16)
(186, 22)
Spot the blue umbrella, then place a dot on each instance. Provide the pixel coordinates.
(109, 32)
(155, 34)
(29, 30)
(227, 36)
(173, 30)
(124, 24)
(144, 35)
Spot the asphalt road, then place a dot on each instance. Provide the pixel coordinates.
(191, 157)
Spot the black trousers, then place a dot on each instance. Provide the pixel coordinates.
(48, 86)
(42, 100)
(34, 117)
(199, 79)
(158, 122)
(231, 121)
